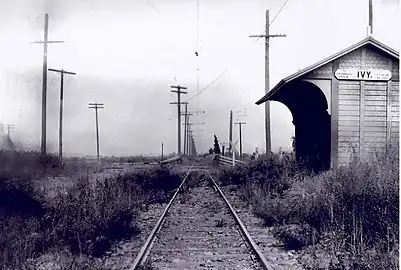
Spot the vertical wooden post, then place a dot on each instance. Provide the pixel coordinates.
(44, 86)
(267, 37)
(389, 116)
(97, 138)
(370, 17)
(60, 134)
(230, 132)
(240, 140)
(179, 103)
(97, 106)
(62, 72)
(334, 117)
(185, 128)
(162, 151)
(44, 83)
(267, 87)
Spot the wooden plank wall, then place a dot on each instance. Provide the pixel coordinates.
(395, 113)
(348, 120)
(375, 118)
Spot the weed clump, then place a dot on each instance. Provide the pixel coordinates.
(86, 219)
(351, 212)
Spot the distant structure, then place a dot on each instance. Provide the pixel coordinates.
(5, 140)
(344, 103)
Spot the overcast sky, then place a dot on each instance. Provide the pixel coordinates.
(127, 54)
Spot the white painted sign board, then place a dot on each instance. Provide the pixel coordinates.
(363, 74)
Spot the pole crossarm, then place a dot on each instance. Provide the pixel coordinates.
(190, 124)
(96, 106)
(197, 112)
(178, 87)
(49, 41)
(45, 43)
(179, 103)
(62, 71)
(267, 36)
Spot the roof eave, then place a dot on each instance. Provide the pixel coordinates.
(304, 71)
(271, 93)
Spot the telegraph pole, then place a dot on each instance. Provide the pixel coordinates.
(189, 129)
(179, 103)
(162, 151)
(185, 127)
(60, 138)
(44, 82)
(267, 37)
(230, 132)
(370, 28)
(97, 106)
(240, 137)
(186, 120)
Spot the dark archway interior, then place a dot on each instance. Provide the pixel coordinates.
(308, 106)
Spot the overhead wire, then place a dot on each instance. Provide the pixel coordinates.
(199, 92)
(210, 84)
(272, 21)
(154, 7)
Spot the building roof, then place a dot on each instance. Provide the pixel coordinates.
(368, 40)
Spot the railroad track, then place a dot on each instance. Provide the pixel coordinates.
(199, 229)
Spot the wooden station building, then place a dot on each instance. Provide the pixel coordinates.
(344, 105)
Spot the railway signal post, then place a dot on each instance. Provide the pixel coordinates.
(97, 106)
(62, 72)
(44, 83)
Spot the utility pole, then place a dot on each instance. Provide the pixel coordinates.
(196, 113)
(186, 120)
(162, 151)
(267, 37)
(240, 137)
(185, 127)
(187, 141)
(179, 92)
(60, 138)
(44, 82)
(97, 106)
(230, 133)
(370, 27)
(190, 130)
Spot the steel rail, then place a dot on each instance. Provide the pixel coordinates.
(141, 257)
(248, 237)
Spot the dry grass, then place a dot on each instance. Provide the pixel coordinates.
(86, 219)
(351, 212)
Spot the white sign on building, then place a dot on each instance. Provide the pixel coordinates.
(363, 74)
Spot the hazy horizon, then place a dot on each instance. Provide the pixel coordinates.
(127, 55)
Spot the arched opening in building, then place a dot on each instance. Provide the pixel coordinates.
(312, 122)
(282, 129)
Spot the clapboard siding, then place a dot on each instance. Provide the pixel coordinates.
(348, 120)
(374, 117)
(395, 112)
